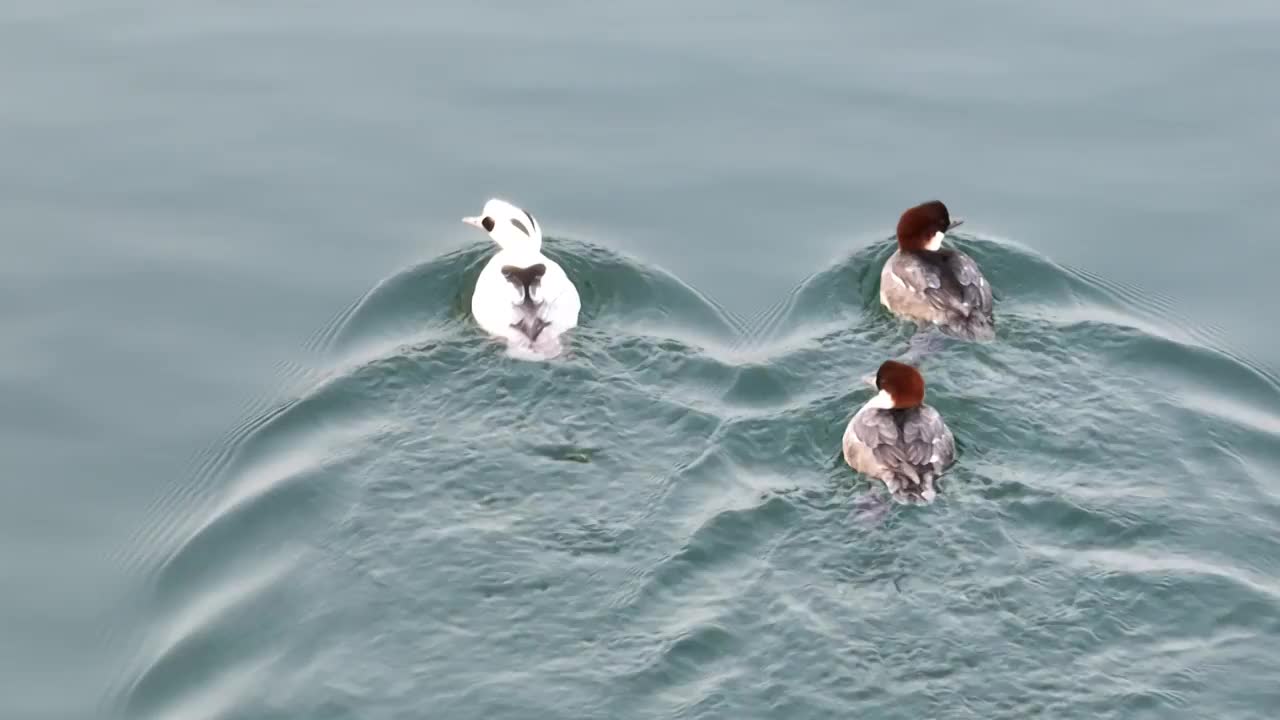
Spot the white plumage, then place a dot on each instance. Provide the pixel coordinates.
(522, 296)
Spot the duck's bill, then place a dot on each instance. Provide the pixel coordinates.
(870, 380)
(472, 221)
(955, 224)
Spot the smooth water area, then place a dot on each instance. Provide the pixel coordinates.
(257, 462)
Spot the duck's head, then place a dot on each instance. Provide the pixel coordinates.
(901, 386)
(923, 226)
(508, 226)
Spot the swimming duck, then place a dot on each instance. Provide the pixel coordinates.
(522, 296)
(926, 283)
(897, 439)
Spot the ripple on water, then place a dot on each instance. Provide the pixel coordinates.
(659, 524)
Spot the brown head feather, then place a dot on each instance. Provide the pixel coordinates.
(904, 384)
(918, 225)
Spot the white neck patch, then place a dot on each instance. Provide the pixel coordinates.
(935, 242)
(882, 401)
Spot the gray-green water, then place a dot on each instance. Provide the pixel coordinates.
(256, 462)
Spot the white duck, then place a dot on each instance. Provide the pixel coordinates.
(522, 296)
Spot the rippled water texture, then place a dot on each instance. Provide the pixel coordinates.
(659, 524)
(222, 497)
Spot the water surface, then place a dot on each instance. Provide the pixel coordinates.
(257, 463)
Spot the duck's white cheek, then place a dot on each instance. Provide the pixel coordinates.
(935, 242)
(882, 401)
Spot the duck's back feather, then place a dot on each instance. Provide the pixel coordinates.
(944, 287)
(906, 449)
(529, 301)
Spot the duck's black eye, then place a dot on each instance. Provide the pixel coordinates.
(487, 223)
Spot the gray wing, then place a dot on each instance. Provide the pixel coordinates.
(952, 283)
(931, 446)
(877, 430)
(912, 457)
(974, 288)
